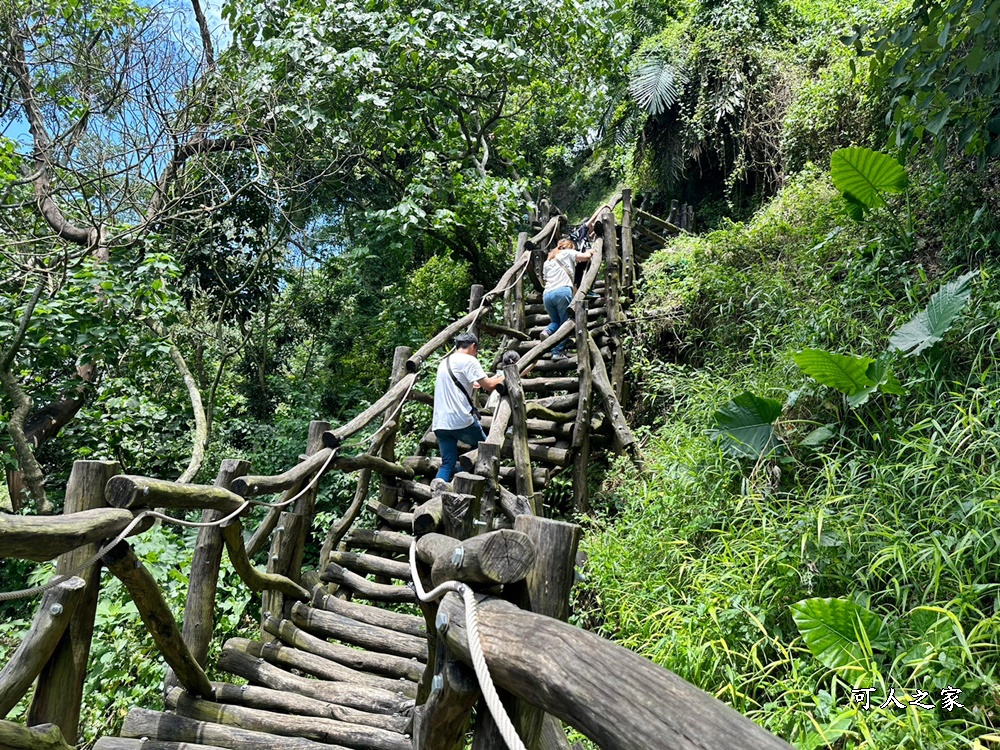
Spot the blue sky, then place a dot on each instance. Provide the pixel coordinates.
(17, 129)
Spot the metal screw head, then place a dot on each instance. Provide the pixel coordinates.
(260, 659)
(441, 622)
(280, 528)
(55, 610)
(458, 557)
(244, 688)
(437, 684)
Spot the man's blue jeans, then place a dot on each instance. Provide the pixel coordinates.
(448, 444)
(557, 306)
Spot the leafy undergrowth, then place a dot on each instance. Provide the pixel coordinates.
(863, 557)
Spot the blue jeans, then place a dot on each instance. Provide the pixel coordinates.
(557, 306)
(448, 444)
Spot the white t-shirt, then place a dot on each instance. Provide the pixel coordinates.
(555, 273)
(451, 407)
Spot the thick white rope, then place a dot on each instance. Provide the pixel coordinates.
(500, 716)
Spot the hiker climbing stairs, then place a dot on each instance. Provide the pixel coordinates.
(426, 592)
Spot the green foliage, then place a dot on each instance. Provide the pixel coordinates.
(838, 632)
(865, 177)
(930, 325)
(941, 64)
(745, 426)
(875, 519)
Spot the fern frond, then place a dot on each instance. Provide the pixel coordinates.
(656, 85)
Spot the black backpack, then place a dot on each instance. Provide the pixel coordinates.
(581, 237)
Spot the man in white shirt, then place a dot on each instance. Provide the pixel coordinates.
(454, 416)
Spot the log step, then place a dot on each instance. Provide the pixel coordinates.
(386, 541)
(347, 630)
(236, 660)
(390, 516)
(170, 727)
(328, 731)
(370, 692)
(364, 564)
(383, 618)
(376, 592)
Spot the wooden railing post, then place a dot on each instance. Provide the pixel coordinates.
(59, 690)
(475, 300)
(519, 436)
(514, 297)
(581, 428)
(628, 257)
(389, 489)
(199, 608)
(614, 308)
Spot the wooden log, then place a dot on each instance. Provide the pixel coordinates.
(428, 466)
(372, 463)
(652, 237)
(441, 722)
(333, 438)
(420, 356)
(530, 359)
(514, 505)
(519, 433)
(330, 731)
(253, 578)
(611, 406)
(534, 409)
(427, 517)
(238, 661)
(553, 736)
(514, 298)
(387, 451)
(581, 428)
(487, 465)
(379, 592)
(615, 697)
(383, 618)
(290, 703)
(38, 737)
(371, 565)
(199, 607)
(40, 642)
(505, 331)
(387, 541)
(415, 490)
(128, 743)
(349, 630)
(628, 258)
(496, 557)
(130, 491)
(669, 225)
(346, 521)
(549, 385)
(546, 591)
(293, 658)
(543, 427)
(141, 722)
(389, 516)
(374, 663)
(672, 216)
(255, 486)
(59, 689)
(157, 618)
(475, 299)
(559, 405)
(41, 538)
(459, 513)
(285, 560)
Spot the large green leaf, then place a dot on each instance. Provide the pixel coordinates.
(836, 630)
(744, 427)
(930, 325)
(847, 374)
(866, 175)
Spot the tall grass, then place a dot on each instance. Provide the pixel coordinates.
(698, 562)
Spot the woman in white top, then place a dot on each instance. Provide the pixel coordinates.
(557, 274)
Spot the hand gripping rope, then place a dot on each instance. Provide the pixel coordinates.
(500, 717)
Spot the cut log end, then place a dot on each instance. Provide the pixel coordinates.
(507, 556)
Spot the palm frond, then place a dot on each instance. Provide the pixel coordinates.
(656, 84)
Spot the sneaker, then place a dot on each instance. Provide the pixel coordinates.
(558, 356)
(439, 485)
(543, 335)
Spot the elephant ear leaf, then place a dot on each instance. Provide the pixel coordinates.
(864, 176)
(855, 208)
(930, 325)
(744, 427)
(838, 632)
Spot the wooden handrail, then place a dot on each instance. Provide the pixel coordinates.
(614, 696)
(41, 538)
